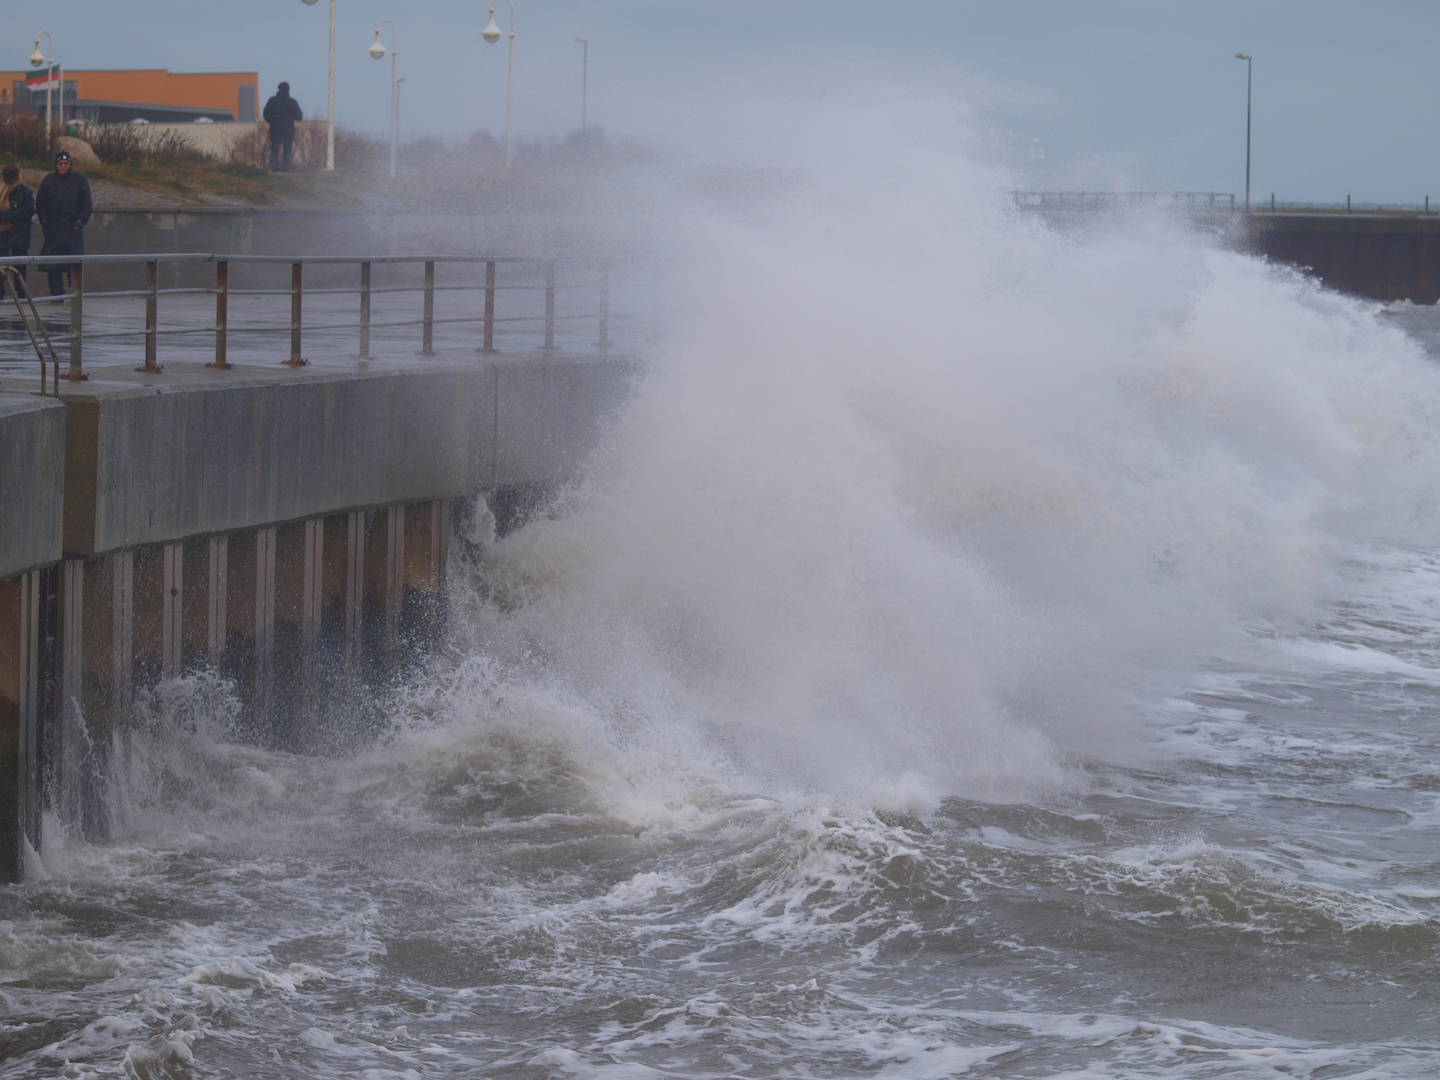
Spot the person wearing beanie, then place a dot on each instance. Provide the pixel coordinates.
(63, 207)
(281, 113)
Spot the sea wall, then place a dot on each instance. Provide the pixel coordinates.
(32, 471)
(1382, 256)
(286, 530)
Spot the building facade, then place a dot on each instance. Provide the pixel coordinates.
(152, 94)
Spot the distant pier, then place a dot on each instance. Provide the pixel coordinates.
(1384, 254)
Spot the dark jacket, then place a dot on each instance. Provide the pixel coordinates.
(281, 112)
(63, 207)
(16, 239)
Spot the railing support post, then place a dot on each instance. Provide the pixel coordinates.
(549, 305)
(489, 345)
(427, 338)
(604, 342)
(77, 325)
(222, 314)
(296, 292)
(152, 317)
(364, 311)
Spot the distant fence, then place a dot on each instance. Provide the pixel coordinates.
(1106, 199)
(1206, 200)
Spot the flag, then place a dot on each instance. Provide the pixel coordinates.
(39, 80)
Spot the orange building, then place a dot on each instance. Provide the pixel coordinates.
(144, 94)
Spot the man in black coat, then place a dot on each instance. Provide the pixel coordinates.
(281, 113)
(15, 214)
(63, 207)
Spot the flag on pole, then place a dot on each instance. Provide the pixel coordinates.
(45, 77)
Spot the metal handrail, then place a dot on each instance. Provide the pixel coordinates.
(546, 267)
(17, 284)
(1062, 199)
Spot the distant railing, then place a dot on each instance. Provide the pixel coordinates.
(1203, 200)
(1216, 200)
(591, 275)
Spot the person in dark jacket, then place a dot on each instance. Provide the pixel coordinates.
(63, 207)
(17, 207)
(281, 113)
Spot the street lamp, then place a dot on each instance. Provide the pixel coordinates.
(491, 33)
(584, 80)
(48, 59)
(378, 52)
(1248, 70)
(330, 103)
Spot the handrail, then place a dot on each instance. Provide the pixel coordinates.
(17, 284)
(545, 280)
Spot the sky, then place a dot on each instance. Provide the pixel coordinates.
(1085, 94)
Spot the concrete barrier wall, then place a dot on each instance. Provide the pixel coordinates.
(32, 456)
(287, 529)
(221, 453)
(1382, 256)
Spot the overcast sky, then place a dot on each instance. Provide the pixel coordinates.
(1131, 94)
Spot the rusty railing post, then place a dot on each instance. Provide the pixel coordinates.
(427, 339)
(222, 314)
(152, 317)
(364, 311)
(549, 305)
(296, 292)
(489, 345)
(77, 325)
(604, 342)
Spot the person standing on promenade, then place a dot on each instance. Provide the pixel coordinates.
(63, 207)
(281, 113)
(17, 207)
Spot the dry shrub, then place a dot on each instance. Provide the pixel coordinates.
(22, 135)
(252, 148)
(137, 144)
(352, 152)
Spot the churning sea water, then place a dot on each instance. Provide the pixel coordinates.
(981, 649)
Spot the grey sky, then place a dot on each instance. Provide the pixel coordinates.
(1109, 93)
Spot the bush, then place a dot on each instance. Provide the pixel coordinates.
(353, 153)
(137, 144)
(22, 135)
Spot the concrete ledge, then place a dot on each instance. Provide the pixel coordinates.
(219, 452)
(32, 447)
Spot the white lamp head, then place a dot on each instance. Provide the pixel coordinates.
(307, 1)
(1241, 56)
(376, 49)
(36, 58)
(491, 33)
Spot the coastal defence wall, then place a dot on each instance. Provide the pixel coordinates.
(1380, 256)
(287, 529)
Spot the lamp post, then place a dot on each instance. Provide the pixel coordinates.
(584, 81)
(1248, 71)
(378, 52)
(491, 33)
(48, 59)
(330, 102)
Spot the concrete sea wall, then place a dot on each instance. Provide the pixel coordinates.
(1382, 256)
(286, 529)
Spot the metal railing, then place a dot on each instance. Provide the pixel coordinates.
(535, 275)
(13, 282)
(1217, 200)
